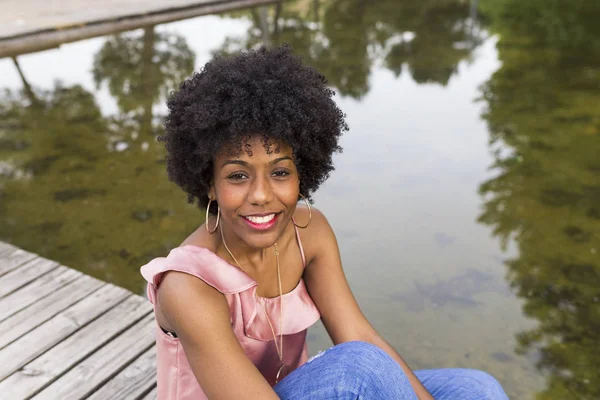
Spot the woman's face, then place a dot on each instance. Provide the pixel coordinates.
(257, 192)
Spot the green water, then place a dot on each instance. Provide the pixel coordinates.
(466, 201)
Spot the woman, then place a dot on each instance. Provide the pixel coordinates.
(247, 138)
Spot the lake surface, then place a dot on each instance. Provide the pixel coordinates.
(466, 201)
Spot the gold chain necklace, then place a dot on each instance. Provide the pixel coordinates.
(278, 347)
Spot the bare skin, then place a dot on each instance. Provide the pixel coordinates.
(245, 186)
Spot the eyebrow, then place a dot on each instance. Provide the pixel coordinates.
(245, 164)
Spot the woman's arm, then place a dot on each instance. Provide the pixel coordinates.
(329, 290)
(199, 315)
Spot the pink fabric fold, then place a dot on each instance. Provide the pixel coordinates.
(175, 378)
(299, 312)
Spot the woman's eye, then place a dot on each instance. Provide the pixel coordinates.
(237, 177)
(280, 174)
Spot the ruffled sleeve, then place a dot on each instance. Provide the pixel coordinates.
(299, 313)
(199, 262)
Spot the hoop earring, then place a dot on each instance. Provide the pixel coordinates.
(309, 214)
(207, 214)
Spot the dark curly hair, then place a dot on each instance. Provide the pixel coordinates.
(268, 92)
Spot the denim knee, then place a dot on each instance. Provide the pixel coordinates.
(461, 383)
(369, 372)
(348, 371)
(370, 355)
(482, 383)
(478, 384)
(355, 361)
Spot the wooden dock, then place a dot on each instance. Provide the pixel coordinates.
(66, 335)
(32, 25)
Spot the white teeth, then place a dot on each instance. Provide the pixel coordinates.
(261, 220)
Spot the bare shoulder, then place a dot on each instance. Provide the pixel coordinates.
(183, 286)
(201, 238)
(179, 291)
(318, 236)
(181, 296)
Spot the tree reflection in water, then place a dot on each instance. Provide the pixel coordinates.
(346, 39)
(66, 169)
(141, 70)
(543, 113)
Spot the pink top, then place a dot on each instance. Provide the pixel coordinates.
(175, 378)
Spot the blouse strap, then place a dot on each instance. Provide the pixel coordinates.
(299, 243)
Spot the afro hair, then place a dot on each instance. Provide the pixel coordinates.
(266, 92)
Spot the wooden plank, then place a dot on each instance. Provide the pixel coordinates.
(35, 290)
(25, 274)
(6, 247)
(29, 318)
(34, 376)
(13, 259)
(87, 376)
(152, 395)
(133, 381)
(31, 41)
(62, 325)
(42, 16)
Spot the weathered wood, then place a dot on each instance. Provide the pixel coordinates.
(38, 16)
(29, 318)
(66, 335)
(36, 290)
(52, 364)
(25, 274)
(13, 42)
(152, 395)
(51, 332)
(6, 247)
(133, 381)
(87, 376)
(14, 258)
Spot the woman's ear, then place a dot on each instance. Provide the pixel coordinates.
(211, 193)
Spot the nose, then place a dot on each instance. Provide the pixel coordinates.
(261, 192)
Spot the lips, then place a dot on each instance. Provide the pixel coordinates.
(262, 221)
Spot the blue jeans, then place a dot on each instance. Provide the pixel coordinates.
(358, 370)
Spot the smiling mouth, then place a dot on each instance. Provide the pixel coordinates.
(261, 222)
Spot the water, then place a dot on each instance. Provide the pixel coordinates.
(466, 201)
